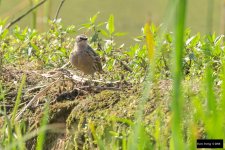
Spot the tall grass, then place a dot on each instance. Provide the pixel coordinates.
(44, 122)
(177, 100)
(10, 123)
(12, 129)
(18, 99)
(211, 116)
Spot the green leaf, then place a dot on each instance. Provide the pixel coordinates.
(110, 24)
(19, 36)
(94, 38)
(192, 41)
(3, 32)
(86, 25)
(32, 33)
(101, 24)
(24, 32)
(3, 22)
(34, 46)
(70, 29)
(92, 19)
(120, 33)
(153, 28)
(139, 38)
(168, 38)
(219, 39)
(103, 32)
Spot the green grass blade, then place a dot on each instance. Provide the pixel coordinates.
(44, 122)
(177, 100)
(96, 137)
(18, 99)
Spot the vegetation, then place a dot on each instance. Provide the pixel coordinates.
(166, 90)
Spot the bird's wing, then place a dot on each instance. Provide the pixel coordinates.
(91, 51)
(97, 61)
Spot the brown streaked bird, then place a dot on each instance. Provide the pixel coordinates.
(84, 58)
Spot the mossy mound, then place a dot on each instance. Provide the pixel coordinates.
(77, 116)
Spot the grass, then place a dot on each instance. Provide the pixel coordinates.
(154, 117)
(44, 122)
(177, 100)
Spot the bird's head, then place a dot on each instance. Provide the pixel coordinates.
(81, 38)
(81, 41)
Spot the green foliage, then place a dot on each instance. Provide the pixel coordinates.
(177, 97)
(110, 25)
(18, 99)
(49, 48)
(11, 123)
(197, 63)
(44, 122)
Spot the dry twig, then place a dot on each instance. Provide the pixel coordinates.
(101, 88)
(36, 97)
(60, 6)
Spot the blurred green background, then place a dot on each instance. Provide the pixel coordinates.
(130, 15)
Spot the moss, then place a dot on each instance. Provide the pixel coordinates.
(112, 114)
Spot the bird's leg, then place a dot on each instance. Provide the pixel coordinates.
(82, 79)
(103, 79)
(91, 80)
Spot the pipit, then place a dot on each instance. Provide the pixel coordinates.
(84, 58)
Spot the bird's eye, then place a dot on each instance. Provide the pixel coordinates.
(83, 38)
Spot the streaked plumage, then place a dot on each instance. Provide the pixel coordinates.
(84, 58)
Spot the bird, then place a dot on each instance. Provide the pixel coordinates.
(84, 58)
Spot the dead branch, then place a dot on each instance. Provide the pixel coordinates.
(68, 74)
(35, 88)
(60, 6)
(64, 66)
(124, 65)
(82, 80)
(101, 88)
